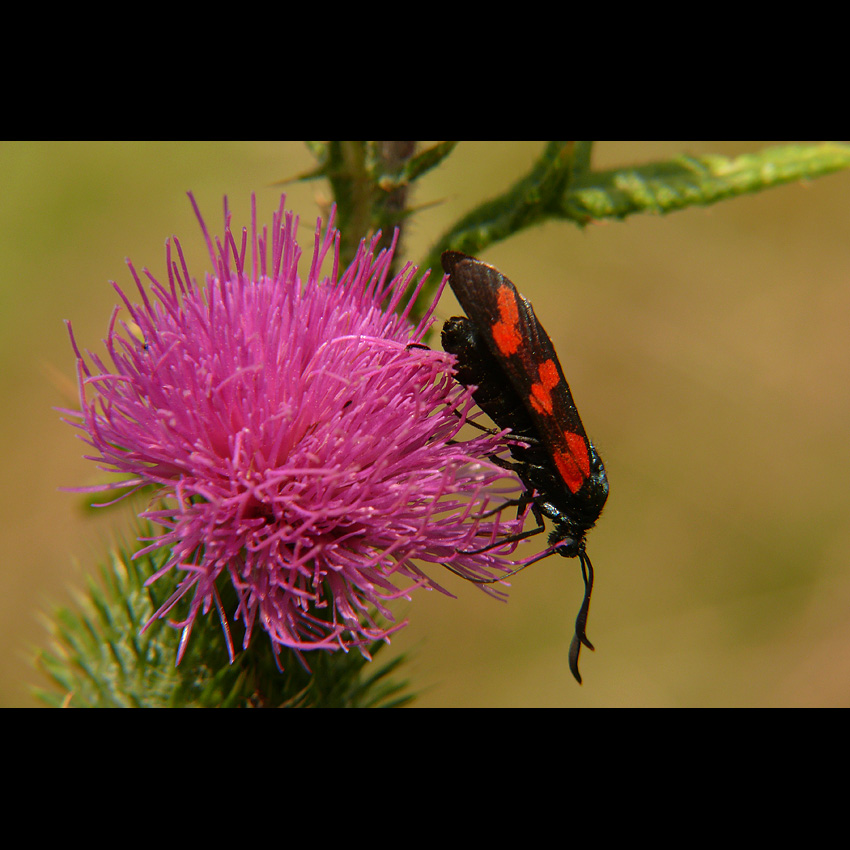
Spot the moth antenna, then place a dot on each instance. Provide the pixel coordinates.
(581, 621)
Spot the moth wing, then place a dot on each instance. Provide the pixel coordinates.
(519, 342)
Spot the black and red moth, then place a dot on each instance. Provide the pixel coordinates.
(503, 351)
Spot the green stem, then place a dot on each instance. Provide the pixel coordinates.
(691, 181)
(562, 185)
(347, 171)
(531, 200)
(390, 195)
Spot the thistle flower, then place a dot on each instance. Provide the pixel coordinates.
(302, 442)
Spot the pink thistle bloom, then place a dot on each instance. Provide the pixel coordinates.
(299, 444)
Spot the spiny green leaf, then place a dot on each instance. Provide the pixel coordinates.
(690, 181)
(562, 185)
(101, 659)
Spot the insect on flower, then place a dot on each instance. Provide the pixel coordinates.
(503, 351)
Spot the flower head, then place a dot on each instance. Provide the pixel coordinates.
(303, 443)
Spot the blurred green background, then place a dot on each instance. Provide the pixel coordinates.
(707, 351)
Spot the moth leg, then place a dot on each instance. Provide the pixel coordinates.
(521, 503)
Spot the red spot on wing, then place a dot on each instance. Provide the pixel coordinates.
(541, 393)
(574, 464)
(569, 471)
(505, 332)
